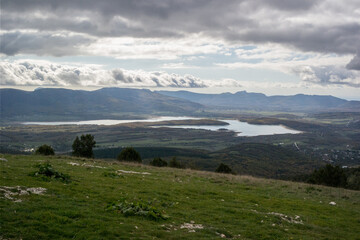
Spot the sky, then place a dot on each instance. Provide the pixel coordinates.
(276, 47)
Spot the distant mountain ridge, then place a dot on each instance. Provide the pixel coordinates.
(261, 102)
(65, 104)
(52, 104)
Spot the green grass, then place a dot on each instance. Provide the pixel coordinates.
(239, 207)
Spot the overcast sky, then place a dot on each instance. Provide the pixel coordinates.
(269, 46)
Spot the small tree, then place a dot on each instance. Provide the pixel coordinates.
(45, 150)
(83, 146)
(129, 154)
(329, 175)
(223, 168)
(158, 162)
(175, 164)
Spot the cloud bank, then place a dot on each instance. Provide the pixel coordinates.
(310, 25)
(26, 73)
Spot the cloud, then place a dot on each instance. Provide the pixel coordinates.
(25, 73)
(328, 75)
(311, 68)
(312, 25)
(44, 43)
(354, 64)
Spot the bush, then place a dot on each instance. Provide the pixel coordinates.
(223, 168)
(141, 208)
(158, 162)
(129, 154)
(45, 150)
(82, 147)
(175, 164)
(46, 170)
(329, 176)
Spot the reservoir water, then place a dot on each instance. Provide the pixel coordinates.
(241, 128)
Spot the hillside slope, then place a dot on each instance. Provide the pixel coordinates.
(199, 205)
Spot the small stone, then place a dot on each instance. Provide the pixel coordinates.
(332, 203)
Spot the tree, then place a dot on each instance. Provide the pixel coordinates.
(175, 164)
(129, 154)
(158, 162)
(82, 147)
(45, 150)
(223, 168)
(329, 175)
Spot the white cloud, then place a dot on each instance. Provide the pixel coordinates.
(179, 65)
(315, 68)
(42, 73)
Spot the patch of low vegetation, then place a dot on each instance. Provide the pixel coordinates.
(112, 175)
(138, 208)
(45, 150)
(46, 171)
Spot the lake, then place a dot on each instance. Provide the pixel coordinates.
(241, 128)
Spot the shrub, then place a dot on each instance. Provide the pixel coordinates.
(140, 208)
(223, 168)
(46, 170)
(82, 147)
(158, 162)
(175, 164)
(45, 150)
(129, 154)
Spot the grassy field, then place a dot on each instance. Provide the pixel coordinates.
(199, 205)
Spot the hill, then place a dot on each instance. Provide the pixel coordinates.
(255, 159)
(261, 102)
(64, 104)
(185, 204)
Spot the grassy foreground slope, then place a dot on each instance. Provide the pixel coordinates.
(200, 205)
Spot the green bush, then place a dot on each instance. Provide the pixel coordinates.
(45, 150)
(175, 164)
(158, 162)
(129, 154)
(223, 168)
(46, 170)
(140, 208)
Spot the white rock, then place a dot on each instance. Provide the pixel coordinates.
(332, 203)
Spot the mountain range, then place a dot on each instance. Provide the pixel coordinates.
(261, 102)
(66, 104)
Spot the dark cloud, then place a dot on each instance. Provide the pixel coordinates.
(41, 43)
(354, 64)
(293, 23)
